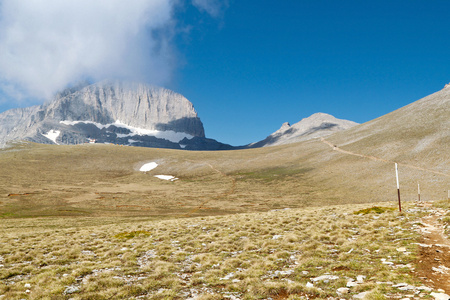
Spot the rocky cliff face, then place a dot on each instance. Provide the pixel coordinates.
(317, 125)
(111, 111)
(134, 104)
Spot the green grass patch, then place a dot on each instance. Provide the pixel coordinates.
(132, 234)
(375, 209)
(7, 215)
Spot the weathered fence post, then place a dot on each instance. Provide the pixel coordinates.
(418, 190)
(398, 188)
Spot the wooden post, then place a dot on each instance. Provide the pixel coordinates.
(398, 189)
(418, 190)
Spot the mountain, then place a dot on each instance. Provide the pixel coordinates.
(418, 133)
(317, 125)
(347, 167)
(99, 196)
(125, 113)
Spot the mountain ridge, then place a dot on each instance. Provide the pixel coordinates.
(316, 125)
(353, 166)
(422, 125)
(102, 112)
(135, 114)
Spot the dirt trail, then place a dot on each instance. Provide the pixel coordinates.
(433, 264)
(336, 148)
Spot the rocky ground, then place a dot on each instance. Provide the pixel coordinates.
(341, 252)
(433, 266)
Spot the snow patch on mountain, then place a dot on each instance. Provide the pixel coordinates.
(114, 112)
(169, 135)
(131, 141)
(52, 135)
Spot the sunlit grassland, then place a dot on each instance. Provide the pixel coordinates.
(258, 255)
(297, 221)
(104, 180)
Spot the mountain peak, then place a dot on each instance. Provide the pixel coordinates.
(284, 127)
(111, 111)
(316, 125)
(132, 103)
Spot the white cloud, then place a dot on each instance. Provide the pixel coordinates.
(212, 7)
(47, 44)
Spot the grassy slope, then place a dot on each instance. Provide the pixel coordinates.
(418, 133)
(249, 256)
(103, 180)
(101, 184)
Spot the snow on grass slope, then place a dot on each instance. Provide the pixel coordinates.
(148, 167)
(166, 177)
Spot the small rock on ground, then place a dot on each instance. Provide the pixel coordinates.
(360, 295)
(343, 290)
(71, 290)
(440, 296)
(325, 277)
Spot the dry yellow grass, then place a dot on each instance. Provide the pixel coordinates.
(276, 254)
(82, 222)
(103, 180)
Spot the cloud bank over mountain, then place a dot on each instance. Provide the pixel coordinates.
(48, 44)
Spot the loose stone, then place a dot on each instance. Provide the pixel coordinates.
(343, 290)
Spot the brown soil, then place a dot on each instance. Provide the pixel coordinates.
(433, 264)
(16, 195)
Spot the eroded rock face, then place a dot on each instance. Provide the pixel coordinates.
(110, 111)
(134, 104)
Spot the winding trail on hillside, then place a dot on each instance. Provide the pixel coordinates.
(336, 148)
(220, 196)
(433, 263)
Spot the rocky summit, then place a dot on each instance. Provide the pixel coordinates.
(317, 125)
(125, 113)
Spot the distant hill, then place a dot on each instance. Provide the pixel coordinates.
(418, 132)
(317, 125)
(347, 167)
(125, 113)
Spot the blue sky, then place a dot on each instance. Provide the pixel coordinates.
(254, 64)
(268, 62)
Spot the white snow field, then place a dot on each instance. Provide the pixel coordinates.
(169, 135)
(166, 177)
(52, 135)
(148, 167)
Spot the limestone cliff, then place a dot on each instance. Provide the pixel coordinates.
(110, 111)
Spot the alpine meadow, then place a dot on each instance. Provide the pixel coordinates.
(311, 219)
(224, 150)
